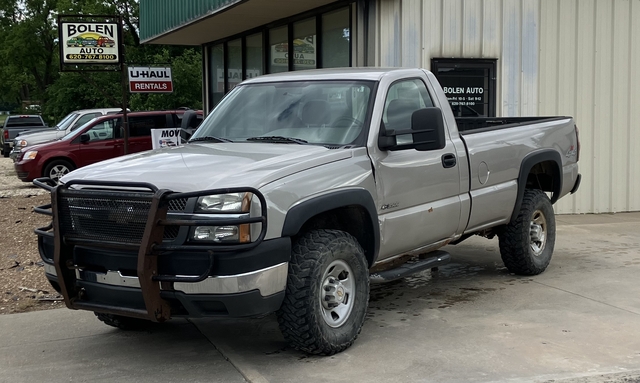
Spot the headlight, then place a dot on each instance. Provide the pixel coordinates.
(222, 234)
(30, 155)
(20, 143)
(224, 203)
(235, 203)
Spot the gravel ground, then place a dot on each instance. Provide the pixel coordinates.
(23, 286)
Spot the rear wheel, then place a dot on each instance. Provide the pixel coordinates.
(57, 169)
(327, 293)
(526, 244)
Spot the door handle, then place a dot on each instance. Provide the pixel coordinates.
(449, 160)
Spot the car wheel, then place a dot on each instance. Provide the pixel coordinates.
(527, 242)
(57, 169)
(327, 293)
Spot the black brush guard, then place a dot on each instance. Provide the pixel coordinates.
(66, 235)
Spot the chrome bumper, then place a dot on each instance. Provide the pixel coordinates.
(268, 281)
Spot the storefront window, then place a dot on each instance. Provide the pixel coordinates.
(304, 44)
(278, 58)
(254, 55)
(234, 68)
(216, 74)
(470, 85)
(336, 36)
(322, 40)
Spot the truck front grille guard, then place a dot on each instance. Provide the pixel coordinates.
(68, 232)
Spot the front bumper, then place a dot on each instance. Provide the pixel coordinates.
(244, 295)
(27, 171)
(133, 268)
(14, 153)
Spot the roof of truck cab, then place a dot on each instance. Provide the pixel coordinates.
(365, 73)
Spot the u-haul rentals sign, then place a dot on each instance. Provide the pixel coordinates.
(89, 43)
(150, 80)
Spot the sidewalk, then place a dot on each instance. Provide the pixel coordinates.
(470, 322)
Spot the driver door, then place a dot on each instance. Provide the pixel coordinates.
(101, 146)
(419, 194)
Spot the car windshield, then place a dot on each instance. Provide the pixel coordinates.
(64, 123)
(306, 112)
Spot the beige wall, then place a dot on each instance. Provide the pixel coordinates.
(555, 57)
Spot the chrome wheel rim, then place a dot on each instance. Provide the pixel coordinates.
(57, 172)
(337, 293)
(538, 233)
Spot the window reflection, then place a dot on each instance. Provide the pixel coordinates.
(254, 55)
(304, 44)
(279, 53)
(234, 71)
(336, 36)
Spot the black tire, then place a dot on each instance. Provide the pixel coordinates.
(522, 249)
(302, 315)
(125, 323)
(57, 164)
(6, 150)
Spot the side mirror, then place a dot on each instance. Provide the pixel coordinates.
(84, 138)
(387, 138)
(428, 129)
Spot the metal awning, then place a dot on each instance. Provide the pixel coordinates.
(192, 22)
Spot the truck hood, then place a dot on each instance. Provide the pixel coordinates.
(41, 136)
(195, 167)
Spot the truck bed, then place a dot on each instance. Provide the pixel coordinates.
(470, 125)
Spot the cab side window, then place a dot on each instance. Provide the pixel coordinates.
(404, 98)
(141, 126)
(101, 132)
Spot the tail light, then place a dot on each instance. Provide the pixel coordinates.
(6, 134)
(578, 139)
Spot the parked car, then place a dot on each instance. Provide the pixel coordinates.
(89, 42)
(100, 139)
(106, 42)
(74, 42)
(298, 191)
(14, 125)
(68, 124)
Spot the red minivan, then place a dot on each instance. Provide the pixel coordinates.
(100, 139)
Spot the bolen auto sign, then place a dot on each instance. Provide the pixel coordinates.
(150, 80)
(89, 43)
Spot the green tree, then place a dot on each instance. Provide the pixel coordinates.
(30, 60)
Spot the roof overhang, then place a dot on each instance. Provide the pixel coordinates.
(233, 19)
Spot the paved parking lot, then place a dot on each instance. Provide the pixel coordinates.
(470, 322)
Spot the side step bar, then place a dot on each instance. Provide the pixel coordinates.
(436, 259)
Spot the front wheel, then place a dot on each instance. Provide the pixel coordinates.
(526, 244)
(327, 293)
(57, 169)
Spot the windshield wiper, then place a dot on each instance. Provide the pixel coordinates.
(210, 138)
(279, 139)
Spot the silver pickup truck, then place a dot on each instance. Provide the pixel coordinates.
(297, 192)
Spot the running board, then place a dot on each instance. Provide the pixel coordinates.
(436, 259)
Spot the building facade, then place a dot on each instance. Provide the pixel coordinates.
(494, 58)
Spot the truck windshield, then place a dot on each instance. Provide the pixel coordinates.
(64, 123)
(308, 112)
